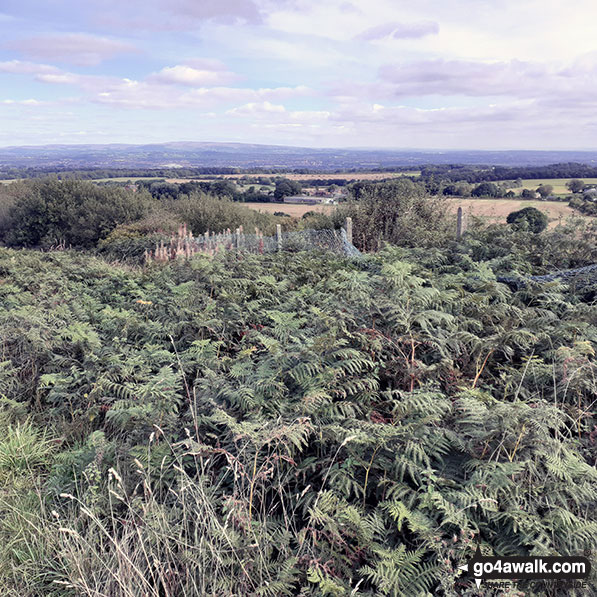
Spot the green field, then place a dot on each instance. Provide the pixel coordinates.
(558, 184)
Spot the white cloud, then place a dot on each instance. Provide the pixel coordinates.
(176, 15)
(25, 102)
(485, 79)
(59, 78)
(74, 48)
(193, 77)
(254, 108)
(19, 67)
(140, 94)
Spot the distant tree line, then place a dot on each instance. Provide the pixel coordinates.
(430, 172)
(478, 174)
(10, 173)
(282, 187)
(95, 173)
(492, 190)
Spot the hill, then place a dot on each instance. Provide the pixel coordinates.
(244, 155)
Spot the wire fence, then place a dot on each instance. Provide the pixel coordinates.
(580, 277)
(185, 245)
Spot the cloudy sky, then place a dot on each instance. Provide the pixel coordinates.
(452, 74)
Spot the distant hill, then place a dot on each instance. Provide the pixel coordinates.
(245, 155)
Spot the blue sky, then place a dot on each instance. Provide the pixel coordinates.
(466, 74)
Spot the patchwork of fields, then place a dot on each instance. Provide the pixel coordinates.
(558, 184)
(296, 210)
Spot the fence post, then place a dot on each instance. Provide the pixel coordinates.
(460, 223)
(238, 238)
(349, 230)
(279, 236)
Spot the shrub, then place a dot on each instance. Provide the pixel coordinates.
(205, 212)
(530, 217)
(48, 212)
(288, 424)
(399, 212)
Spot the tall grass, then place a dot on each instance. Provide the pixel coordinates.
(161, 532)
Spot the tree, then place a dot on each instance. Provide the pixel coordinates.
(286, 188)
(224, 187)
(575, 185)
(486, 189)
(527, 194)
(78, 213)
(457, 190)
(545, 190)
(530, 217)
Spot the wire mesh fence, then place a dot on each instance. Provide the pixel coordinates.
(185, 245)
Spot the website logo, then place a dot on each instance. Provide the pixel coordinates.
(563, 568)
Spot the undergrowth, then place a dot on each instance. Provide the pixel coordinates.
(291, 424)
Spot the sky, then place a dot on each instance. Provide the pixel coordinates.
(430, 74)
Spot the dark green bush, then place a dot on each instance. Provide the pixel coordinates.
(48, 212)
(529, 217)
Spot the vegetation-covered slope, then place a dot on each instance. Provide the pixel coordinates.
(288, 424)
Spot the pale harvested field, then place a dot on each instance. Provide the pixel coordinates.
(292, 209)
(492, 209)
(498, 209)
(127, 178)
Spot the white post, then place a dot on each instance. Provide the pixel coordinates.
(279, 236)
(349, 230)
(460, 223)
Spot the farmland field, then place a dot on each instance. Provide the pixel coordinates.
(558, 184)
(292, 209)
(353, 175)
(350, 176)
(498, 209)
(492, 209)
(129, 178)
